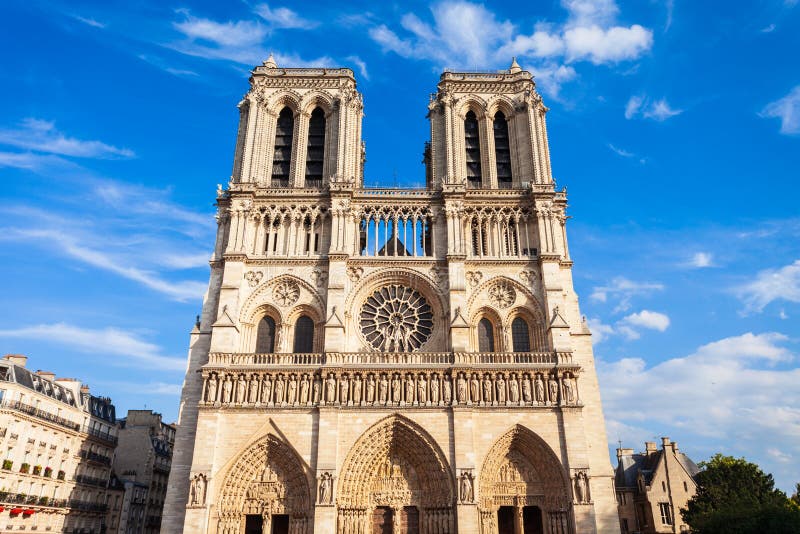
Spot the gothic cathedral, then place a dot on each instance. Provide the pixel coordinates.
(377, 360)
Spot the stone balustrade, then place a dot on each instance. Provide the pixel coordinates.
(546, 359)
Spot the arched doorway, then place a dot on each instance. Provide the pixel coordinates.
(396, 479)
(523, 487)
(266, 491)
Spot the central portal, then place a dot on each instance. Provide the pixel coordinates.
(382, 520)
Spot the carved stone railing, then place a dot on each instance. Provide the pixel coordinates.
(226, 359)
(388, 358)
(511, 358)
(537, 359)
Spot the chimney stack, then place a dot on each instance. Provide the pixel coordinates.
(650, 447)
(17, 359)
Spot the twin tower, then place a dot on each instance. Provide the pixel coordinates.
(378, 360)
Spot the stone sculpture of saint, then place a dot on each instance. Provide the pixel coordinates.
(409, 389)
(266, 389)
(447, 389)
(227, 389)
(553, 386)
(396, 388)
(325, 484)
(211, 388)
(241, 389)
(252, 392)
(422, 389)
(357, 389)
(330, 388)
(466, 488)
(304, 390)
(344, 389)
(371, 389)
(568, 391)
(539, 389)
(461, 388)
(280, 384)
(383, 390)
(317, 389)
(292, 390)
(435, 389)
(487, 389)
(580, 487)
(475, 388)
(513, 389)
(500, 384)
(526, 389)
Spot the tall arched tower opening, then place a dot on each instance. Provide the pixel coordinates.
(383, 360)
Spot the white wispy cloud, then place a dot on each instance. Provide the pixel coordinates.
(600, 331)
(39, 135)
(701, 260)
(718, 394)
(623, 290)
(658, 110)
(648, 319)
(101, 343)
(629, 326)
(362, 66)
(787, 109)
(771, 285)
(283, 17)
(89, 21)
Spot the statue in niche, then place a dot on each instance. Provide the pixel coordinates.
(357, 389)
(569, 392)
(397, 388)
(581, 487)
(409, 389)
(526, 388)
(370, 388)
(383, 389)
(292, 390)
(539, 388)
(325, 488)
(500, 384)
(241, 388)
(197, 490)
(211, 388)
(330, 388)
(422, 389)
(227, 389)
(487, 389)
(317, 389)
(344, 389)
(475, 388)
(552, 384)
(447, 390)
(266, 389)
(304, 385)
(513, 389)
(252, 392)
(280, 384)
(435, 389)
(466, 490)
(461, 388)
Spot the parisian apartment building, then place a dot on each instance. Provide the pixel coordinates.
(141, 471)
(652, 487)
(58, 443)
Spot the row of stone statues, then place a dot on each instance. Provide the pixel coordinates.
(391, 388)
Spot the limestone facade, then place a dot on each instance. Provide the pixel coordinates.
(58, 442)
(390, 360)
(652, 487)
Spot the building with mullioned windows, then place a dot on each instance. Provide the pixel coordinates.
(58, 442)
(378, 360)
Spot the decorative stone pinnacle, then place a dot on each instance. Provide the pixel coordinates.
(514, 68)
(270, 62)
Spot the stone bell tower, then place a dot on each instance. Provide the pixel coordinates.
(374, 360)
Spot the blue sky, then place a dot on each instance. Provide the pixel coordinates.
(674, 124)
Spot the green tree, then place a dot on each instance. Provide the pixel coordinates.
(796, 496)
(735, 496)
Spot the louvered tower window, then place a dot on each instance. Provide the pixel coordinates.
(304, 335)
(472, 143)
(502, 151)
(265, 338)
(282, 157)
(316, 148)
(485, 335)
(520, 335)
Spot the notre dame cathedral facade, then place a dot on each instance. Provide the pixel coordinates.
(377, 360)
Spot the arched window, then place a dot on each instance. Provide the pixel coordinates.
(303, 335)
(282, 157)
(316, 148)
(265, 337)
(520, 335)
(502, 151)
(472, 143)
(485, 335)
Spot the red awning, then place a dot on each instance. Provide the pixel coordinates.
(28, 512)
(16, 510)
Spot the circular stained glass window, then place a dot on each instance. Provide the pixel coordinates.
(396, 319)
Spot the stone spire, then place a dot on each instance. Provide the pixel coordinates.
(514, 68)
(270, 62)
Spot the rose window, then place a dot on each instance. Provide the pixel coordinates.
(396, 319)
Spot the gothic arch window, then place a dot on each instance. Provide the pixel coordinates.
(502, 151)
(315, 154)
(282, 156)
(520, 335)
(303, 335)
(485, 335)
(472, 143)
(265, 337)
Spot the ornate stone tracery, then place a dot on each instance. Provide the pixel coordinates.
(396, 319)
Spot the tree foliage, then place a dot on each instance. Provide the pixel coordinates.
(735, 496)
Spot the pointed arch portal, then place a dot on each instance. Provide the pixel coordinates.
(396, 476)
